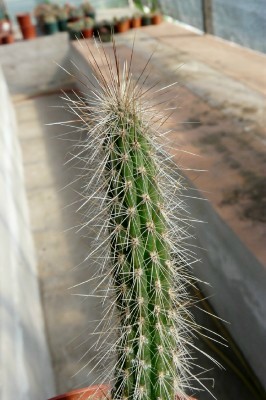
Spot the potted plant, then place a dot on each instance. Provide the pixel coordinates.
(8, 38)
(6, 34)
(135, 21)
(156, 16)
(62, 17)
(75, 14)
(24, 20)
(146, 19)
(122, 24)
(74, 29)
(103, 31)
(87, 30)
(29, 32)
(50, 24)
(88, 10)
(40, 11)
(136, 211)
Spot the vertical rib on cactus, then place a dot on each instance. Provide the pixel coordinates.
(145, 368)
(144, 223)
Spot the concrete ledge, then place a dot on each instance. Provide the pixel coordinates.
(25, 366)
(33, 65)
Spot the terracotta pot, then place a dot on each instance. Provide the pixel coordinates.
(135, 22)
(28, 32)
(122, 26)
(87, 33)
(24, 20)
(8, 38)
(99, 392)
(156, 19)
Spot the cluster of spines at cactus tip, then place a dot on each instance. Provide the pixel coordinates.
(144, 221)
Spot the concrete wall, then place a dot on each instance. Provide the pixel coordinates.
(25, 367)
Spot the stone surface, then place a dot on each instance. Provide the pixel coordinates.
(25, 364)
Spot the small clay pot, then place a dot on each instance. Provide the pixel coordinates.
(135, 22)
(87, 33)
(8, 38)
(156, 19)
(97, 392)
(24, 20)
(122, 26)
(28, 32)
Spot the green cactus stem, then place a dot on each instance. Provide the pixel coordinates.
(143, 278)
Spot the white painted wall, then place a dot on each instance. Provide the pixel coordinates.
(25, 366)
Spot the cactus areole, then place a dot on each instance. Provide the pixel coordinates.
(145, 224)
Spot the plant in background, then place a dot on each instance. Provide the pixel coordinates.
(88, 23)
(74, 29)
(138, 210)
(88, 9)
(63, 13)
(75, 13)
(147, 6)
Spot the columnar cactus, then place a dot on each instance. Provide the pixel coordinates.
(145, 229)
